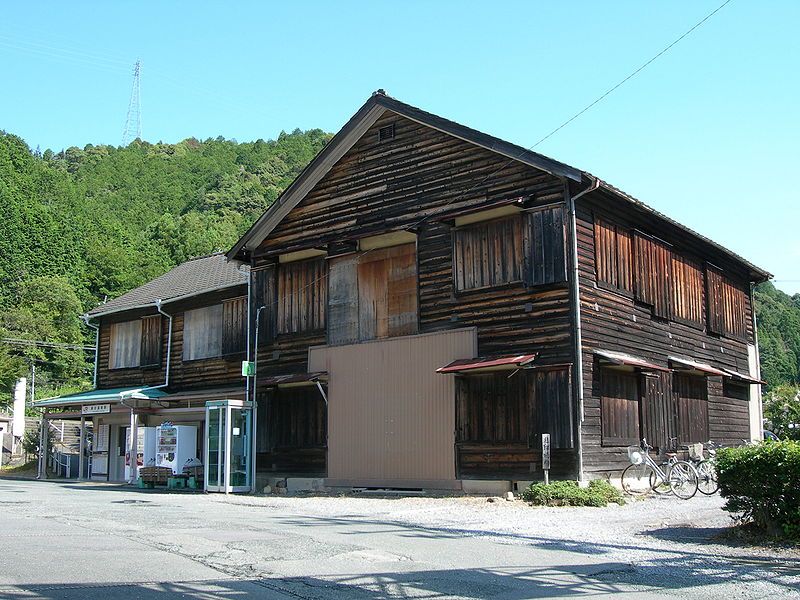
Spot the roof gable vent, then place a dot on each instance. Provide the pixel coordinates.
(386, 133)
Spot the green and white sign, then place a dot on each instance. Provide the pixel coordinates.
(248, 368)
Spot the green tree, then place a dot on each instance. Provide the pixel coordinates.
(782, 411)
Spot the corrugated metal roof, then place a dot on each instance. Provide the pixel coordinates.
(273, 380)
(488, 364)
(109, 395)
(743, 377)
(696, 366)
(618, 358)
(203, 274)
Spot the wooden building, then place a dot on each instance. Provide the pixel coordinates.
(432, 300)
(164, 349)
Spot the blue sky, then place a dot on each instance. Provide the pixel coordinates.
(707, 133)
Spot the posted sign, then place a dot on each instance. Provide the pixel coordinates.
(546, 451)
(248, 368)
(95, 409)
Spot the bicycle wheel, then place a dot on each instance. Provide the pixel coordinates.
(659, 485)
(683, 480)
(707, 475)
(636, 479)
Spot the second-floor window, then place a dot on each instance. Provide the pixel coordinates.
(216, 330)
(727, 313)
(135, 343)
(526, 248)
(613, 258)
(302, 295)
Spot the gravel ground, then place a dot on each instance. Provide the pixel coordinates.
(93, 541)
(667, 543)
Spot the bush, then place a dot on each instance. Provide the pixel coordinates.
(762, 484)
(568, 493)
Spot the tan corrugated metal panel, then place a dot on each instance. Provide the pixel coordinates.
(391, 417)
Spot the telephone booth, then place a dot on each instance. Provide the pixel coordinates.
(228, 454)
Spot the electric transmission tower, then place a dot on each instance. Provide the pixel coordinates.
(133, 123)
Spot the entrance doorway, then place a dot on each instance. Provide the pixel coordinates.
(228, 466)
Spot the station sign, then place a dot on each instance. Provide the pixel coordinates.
(95, 409)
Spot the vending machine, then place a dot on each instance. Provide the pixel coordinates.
(176, 444)
(145, 448)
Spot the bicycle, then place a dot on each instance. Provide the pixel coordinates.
(706, 468)
(644, 475)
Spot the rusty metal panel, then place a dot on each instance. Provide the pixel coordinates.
(391, 417)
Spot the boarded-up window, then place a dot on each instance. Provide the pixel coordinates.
(297, 418)
(126, 344)
(495, 408)
(691, 394)
(202, 332)
(302, 295)
(151, 341)
(544, 246)
(488, 254)
(373, 295)
(492, 408)
(234, 325)
(551, 408)
(727, 313)
(737, 390)
(687, 290)
(619, 408)
(264, 293)
(612, 249)
(653, 274)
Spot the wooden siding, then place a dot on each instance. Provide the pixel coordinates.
(614, 320)
(302, 296)
(687, 290)
(691, 395)
(415, 181)
(613, 257)
(220, 371)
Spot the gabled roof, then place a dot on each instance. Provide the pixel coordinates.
(195, 276)
(358, 124)
(371, 111)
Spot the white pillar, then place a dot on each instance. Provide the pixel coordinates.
(18, 422)
(133, 448)
(82, 449)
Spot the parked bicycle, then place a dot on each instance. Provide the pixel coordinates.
(644, 475)
(706, 467)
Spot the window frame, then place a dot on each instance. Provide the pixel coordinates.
(113, 338)
(627, 292)
(320, 284)
(212, 307)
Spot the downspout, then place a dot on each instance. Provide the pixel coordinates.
(255, 393)
(96, 328)
(576, 299)
(169, 345)
(758, 366)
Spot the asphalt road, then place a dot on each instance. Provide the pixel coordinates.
(91, 541)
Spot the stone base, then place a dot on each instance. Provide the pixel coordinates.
(485, 487)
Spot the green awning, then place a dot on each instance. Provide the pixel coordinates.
(110, 395)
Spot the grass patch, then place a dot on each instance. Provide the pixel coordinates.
(568, 493)
(28, 468)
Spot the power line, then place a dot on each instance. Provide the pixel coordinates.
(24, 342)
(633, 74)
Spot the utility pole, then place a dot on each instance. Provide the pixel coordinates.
(133, 122)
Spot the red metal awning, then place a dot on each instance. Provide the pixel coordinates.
(742, 377)
(619, 358)
(488, 364)
(291, 378)
(684, 364)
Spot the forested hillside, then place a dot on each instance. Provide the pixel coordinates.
(83, 224)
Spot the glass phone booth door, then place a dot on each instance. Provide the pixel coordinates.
(228, 446)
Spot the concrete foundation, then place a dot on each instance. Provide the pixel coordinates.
(485, 487)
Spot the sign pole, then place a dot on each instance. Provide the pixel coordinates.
(546, 457)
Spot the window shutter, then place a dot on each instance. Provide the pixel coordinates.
(544, 246)
(202, 332)
(653, 274)
(264, 293)
(619, 408)
(691, 393)
(151, 341)
(302, 295)
(234, 330)
(687, 290)
(488, 254)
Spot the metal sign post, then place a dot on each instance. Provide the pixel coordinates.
(546, 457)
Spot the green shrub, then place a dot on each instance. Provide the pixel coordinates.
(568, 493)
(762, 484)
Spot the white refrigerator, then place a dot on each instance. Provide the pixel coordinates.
(145, 448)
